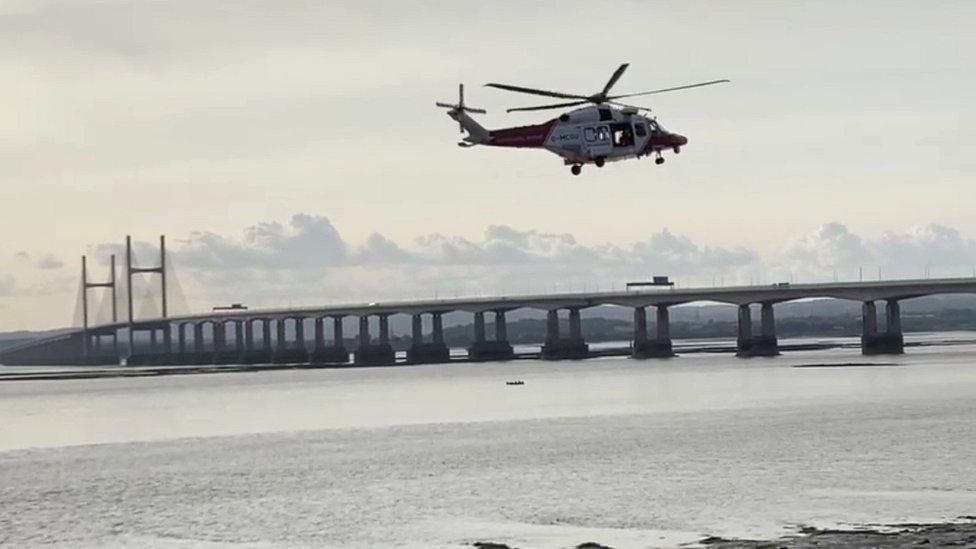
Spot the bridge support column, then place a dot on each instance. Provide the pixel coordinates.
(435, 351)
(374, 354)
(261, 354)
(437, 328)
(167, 357)
(220, 353)
(329, 354)
(891, 342)
(484, 350)
(248, 335)
(417, 331)
(200, 355)
(181, 338)
(640, 326)
(239, 348)
(744, 337)
(764, 344)
(279, 354)
(181, 343)
(479, 327)
(660, 346)
(319, 329)
(266, 335)
(557, 348)
(501, 327)
(294, 353)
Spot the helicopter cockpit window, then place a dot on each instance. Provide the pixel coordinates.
(655, 127)
(605, 115)
(640, 129)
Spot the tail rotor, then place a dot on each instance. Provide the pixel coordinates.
(460, 107)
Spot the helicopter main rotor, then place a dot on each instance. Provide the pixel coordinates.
(598, 98)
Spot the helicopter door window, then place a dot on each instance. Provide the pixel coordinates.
(603, 133)
(623, 135)
(589, 134)
(640, 129)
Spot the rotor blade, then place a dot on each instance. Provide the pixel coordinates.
(479, 111)
(669, 89)
(535, 92)
(445, 105)
(616, 76)
(630, 106)
(544, 107)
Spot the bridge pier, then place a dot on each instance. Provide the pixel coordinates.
(483, 349)
(764, 344)
(329, 354)
(182, 353)
(251, 353)
(435, 350)
(198, 354)
(223, 354)
(660, 346)
(374, 354)
(558, 348)
(892, 341)
(294, 353)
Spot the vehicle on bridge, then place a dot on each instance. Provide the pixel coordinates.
(655, 281)
(231, 307)
(604, 131)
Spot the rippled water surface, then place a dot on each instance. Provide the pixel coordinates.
(628, 453)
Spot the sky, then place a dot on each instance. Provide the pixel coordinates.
(292, 153)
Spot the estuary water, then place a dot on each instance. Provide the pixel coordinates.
(627, 453)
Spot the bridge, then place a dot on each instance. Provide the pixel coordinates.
(261, 336)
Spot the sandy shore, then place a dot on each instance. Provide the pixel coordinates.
(896, 536)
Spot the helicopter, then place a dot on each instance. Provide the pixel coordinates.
(605, 130)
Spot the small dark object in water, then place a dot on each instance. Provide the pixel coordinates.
(845, 364)
(516, 382)
(491, 545)
(592, 545)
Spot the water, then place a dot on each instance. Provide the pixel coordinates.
(627, 453)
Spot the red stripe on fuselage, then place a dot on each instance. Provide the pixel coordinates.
(522, 136)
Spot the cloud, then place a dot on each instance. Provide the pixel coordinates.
(831, 245)
(931, 244)
(49, 263)
(306, 260)
(928, 250)
(678, 254)
(381, 250)
(308, 242)
(22, 255)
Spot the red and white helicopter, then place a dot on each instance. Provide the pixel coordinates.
(605, 131)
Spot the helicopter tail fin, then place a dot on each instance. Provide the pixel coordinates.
(459, 112)
(477, 134)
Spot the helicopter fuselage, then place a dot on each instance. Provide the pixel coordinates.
(595, 134)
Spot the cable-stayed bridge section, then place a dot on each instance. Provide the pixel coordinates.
(316, 335)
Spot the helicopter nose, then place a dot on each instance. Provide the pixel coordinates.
(679, 140)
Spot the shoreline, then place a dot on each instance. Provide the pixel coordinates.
(958, 533)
